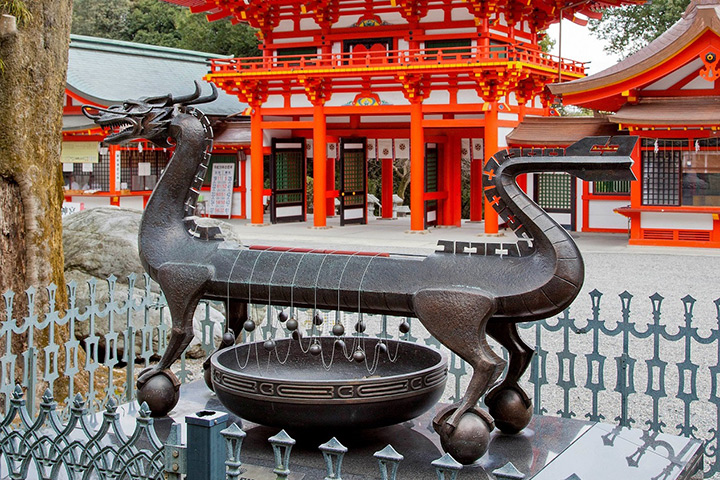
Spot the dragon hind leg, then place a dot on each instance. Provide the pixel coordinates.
(507, 402)
(458, 318)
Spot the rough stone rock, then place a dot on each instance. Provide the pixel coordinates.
(103, 241)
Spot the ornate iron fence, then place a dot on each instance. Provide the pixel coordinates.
(651, 366)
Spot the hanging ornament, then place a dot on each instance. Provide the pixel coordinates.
(318, 319)
(249, 325)
(338, 330)
(404, 327)
(359, 355)
(292, 324)
(282, 316)
(382, 348)
(315, 349)
(269, 345)
(360, 327)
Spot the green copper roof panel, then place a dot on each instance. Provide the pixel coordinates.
(110, 71)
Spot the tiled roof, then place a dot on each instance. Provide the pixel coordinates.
(110, 71)
(558, 131)
(701, 111)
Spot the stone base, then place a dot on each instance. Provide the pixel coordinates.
(550, 448)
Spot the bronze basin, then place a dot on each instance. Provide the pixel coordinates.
(302, 394)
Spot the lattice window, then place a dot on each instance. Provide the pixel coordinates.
(661, 174)
(131, 158)
(555, 191)
(289, 175)
(354, 176)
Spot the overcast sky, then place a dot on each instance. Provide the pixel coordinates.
(579, 45)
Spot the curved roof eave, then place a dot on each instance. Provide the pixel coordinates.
(700, 16)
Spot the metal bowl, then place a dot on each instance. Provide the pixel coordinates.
(301, 393)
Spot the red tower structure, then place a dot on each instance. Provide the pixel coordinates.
(344, 82)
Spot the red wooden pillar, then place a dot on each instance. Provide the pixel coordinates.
(329, 187)
(452, 181)
(387, 187)
(319, 166)
(491, 148)
(417, 168)
(476, 192)
(256, 167)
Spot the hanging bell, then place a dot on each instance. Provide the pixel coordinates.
(404, 327)
(318, 319)
(360, 327)
(249, 325)
(269, 345)
(282, 316)
(338, 330)
(382, 348)
(315, 349)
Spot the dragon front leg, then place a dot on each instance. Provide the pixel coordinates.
(183, 286)
(458, 319)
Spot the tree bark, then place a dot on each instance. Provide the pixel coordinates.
(32, 92)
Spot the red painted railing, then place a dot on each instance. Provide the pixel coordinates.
(457, 57)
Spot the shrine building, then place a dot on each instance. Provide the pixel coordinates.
(342, 83)
(104, 72)
(667, 93)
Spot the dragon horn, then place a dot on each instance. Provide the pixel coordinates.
(187, 99)
(207, 98)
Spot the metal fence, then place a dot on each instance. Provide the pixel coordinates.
(650, 366)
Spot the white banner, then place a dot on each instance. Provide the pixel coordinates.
(385, 148)
(402, 148)
(478, 149)
(332, 150)
(371, 149)
(221, 189)
(309, 148)
(465, 149)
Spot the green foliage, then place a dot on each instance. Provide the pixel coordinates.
(160, 23)
(17, 9)
(546, 42)
(627, 29)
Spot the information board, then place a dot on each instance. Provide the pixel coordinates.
(221, 189)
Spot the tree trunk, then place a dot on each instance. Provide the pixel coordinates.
(31, 90)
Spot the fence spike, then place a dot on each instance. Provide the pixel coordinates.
(333, 452)
(388, 461)
(447, 464)
(282, 444)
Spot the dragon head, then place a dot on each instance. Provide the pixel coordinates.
(148, 117)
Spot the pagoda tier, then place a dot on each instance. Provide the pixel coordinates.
(269, 14)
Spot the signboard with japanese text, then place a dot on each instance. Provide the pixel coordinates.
(221, 189)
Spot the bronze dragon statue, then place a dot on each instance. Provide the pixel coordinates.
(461, 293)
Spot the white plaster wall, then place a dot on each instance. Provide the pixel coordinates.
(676, 220)
(601, 215)
(300, 100)
(236, 208)
(446, 31)
(438, 97)
(286, 26)
(461, 13)
(274, 101)
(132, 202)
(434, 16)
(512, 117)
(468, 96)
(502, 133)
(91, 201)
(293, 40)
(403, 44)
